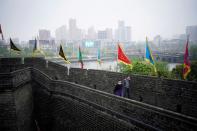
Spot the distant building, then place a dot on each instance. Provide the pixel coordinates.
(15, 40)
(105, 34)
(102, 35)
(61, 33)
(91, 34)
(123, 33)
(43, 44)
(127, 33)
(192, 32)
(74, 32)
(109, 33)
(4, 44)
(44, 34)
(157, 40)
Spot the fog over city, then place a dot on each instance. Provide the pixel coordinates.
(23, 18)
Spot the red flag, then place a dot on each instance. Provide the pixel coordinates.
(1, 33)
(122, 57)
(186, 65)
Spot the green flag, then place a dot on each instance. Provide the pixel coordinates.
(99, 56)
(80, 58)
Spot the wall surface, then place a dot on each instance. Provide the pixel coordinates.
(16, 102)
(23, 97)
(58, 105)
(139, 114)
(175, 95)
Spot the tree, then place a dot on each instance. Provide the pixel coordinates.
(178, 72)
(193, 52)
(143, 68)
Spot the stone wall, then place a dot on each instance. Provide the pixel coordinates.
(23, 99)
(10, 64)
(8, 112)
(143, 115)
(175, 95)
(16, 102)
(52, 96)
(61, 110)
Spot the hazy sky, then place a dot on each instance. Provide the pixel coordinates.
(23, 18)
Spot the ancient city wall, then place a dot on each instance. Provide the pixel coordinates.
(16, 101)
(129, 110)
(52, 97)
(175, 95)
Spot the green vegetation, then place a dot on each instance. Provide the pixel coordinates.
(143, 68)
(26, 52)
(193, 52)
(192, 76)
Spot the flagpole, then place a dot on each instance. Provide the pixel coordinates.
(117, 58)
(10, 49)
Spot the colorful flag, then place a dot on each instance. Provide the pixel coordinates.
(80, 58)
(99, 56)
(186, 65)
(149, 56)
(12, 46)
(122, 57)
(1, 32)
(61, 53)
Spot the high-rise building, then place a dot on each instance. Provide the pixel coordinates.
(123, 33)
(192, 32)
(105, 34)
(127, 33)
(102, 35)
(61, 33)
(74, 32)
(157, 40)
(44, 34)
(109, 33)
(91, 34)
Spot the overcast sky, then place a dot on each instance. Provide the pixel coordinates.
(23, 18)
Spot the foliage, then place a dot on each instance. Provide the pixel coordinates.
(144, 68)
(178, 72)
(4, 52)
(26, 52)
(193, 52)
(162, 70)
(193, 74)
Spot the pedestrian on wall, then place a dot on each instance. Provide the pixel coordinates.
(126, 87)
(118, 89)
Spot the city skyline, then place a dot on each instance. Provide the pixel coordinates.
(23, 18)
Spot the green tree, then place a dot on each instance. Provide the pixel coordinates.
(193, 52)
(143, 68)
(178, 72)
(162, 69)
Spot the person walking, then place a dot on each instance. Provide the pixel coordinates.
(118, 89)
(126, 87)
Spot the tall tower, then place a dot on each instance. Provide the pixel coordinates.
(72, 29)
(192, 32)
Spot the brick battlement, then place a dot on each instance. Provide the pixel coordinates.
(44, 92)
